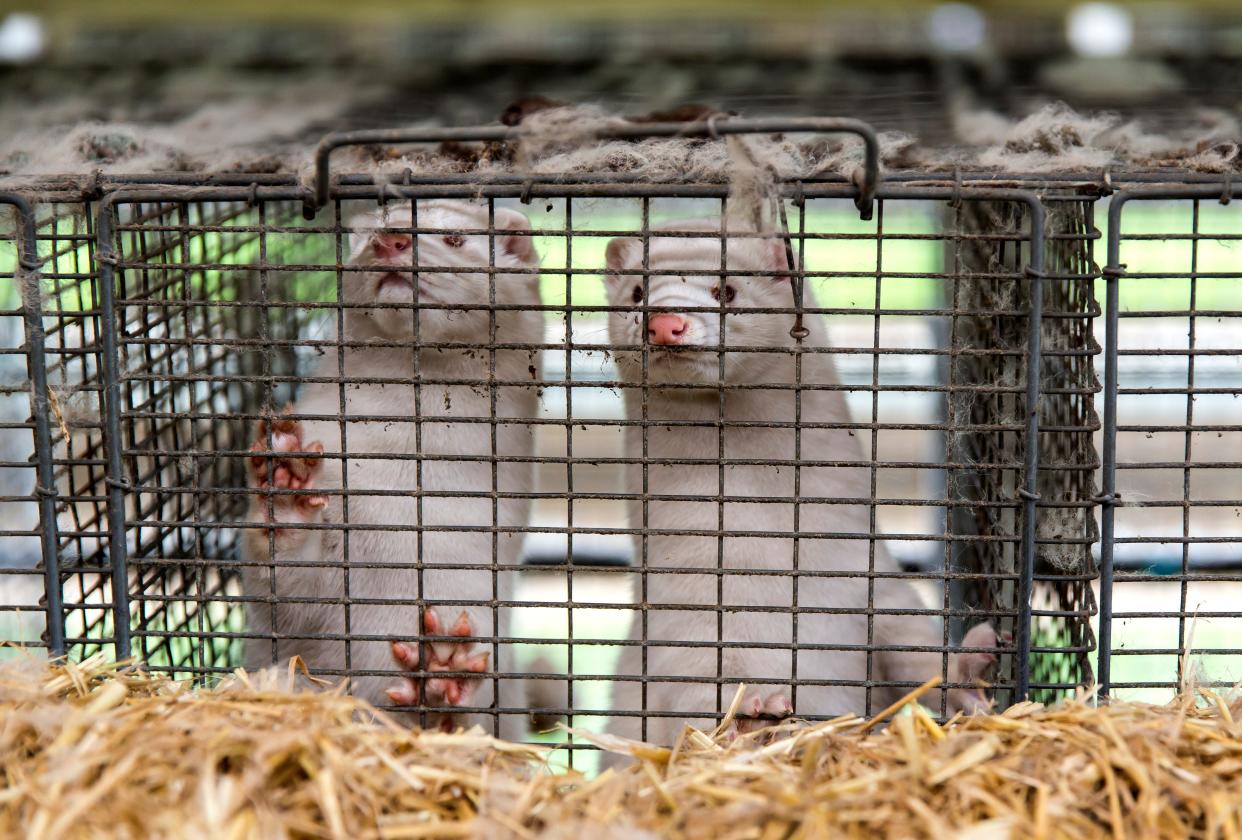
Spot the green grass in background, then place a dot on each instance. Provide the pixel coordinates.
(1176, 256)
(1203, 635)
(846, 256)
(892, 255)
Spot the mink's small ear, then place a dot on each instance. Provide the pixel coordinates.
(622, 252)
(520, 245)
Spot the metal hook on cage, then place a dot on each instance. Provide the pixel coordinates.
(1106, 181)
(1226, 195)
(120, 484)
(798, 331)
(93, 188)
(865, 201)
(31, 263)
(527, 186)
(956, 201)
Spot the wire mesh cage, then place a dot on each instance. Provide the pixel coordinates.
(1169, 510)
(1065, 529)
(175, 419)
(799, 456)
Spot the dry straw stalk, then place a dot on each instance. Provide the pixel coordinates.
(89, 750)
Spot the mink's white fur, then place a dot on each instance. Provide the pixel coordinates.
(832, 538)
(383, 476)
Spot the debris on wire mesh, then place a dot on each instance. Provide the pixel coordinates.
(89, 749)
(552, 137)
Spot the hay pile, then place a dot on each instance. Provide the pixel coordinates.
(86, 751)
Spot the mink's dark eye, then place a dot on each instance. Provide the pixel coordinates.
(454, 240)
(637, 296)
(729, 293)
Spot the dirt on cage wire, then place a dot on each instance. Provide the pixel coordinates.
(270, 136)
(91, 750)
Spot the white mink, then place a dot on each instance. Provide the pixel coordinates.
(383, 476)
(670, 293)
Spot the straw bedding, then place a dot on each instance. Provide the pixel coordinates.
(89, 751)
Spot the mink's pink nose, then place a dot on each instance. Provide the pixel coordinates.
(390, 246)
(666, 329)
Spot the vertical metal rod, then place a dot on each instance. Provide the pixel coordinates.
(798, 333)
(1188, 447)
(342, 421)
(269, 500)
(45, 479)
(569, 465)
(493, 443)
(720, 464)
(117, 546)
(952, 589)
(1030, 488)
(874, 453)
(645, 535)
(1108, 483)
(199, 653)
(419, 485)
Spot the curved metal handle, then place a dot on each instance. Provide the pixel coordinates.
(638, 131)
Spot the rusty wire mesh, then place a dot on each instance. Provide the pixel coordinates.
(223, 307)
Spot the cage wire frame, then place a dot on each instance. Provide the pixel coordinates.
(1109, 497)
(148, 196)
(118, 490)
(1065, 529)
(108, 595)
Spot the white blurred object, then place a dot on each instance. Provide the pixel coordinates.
(22, 38)
(1100, 29)
(957, 28)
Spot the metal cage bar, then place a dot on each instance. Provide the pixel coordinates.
(707, 128)
(40, 409)
(1109, 499)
